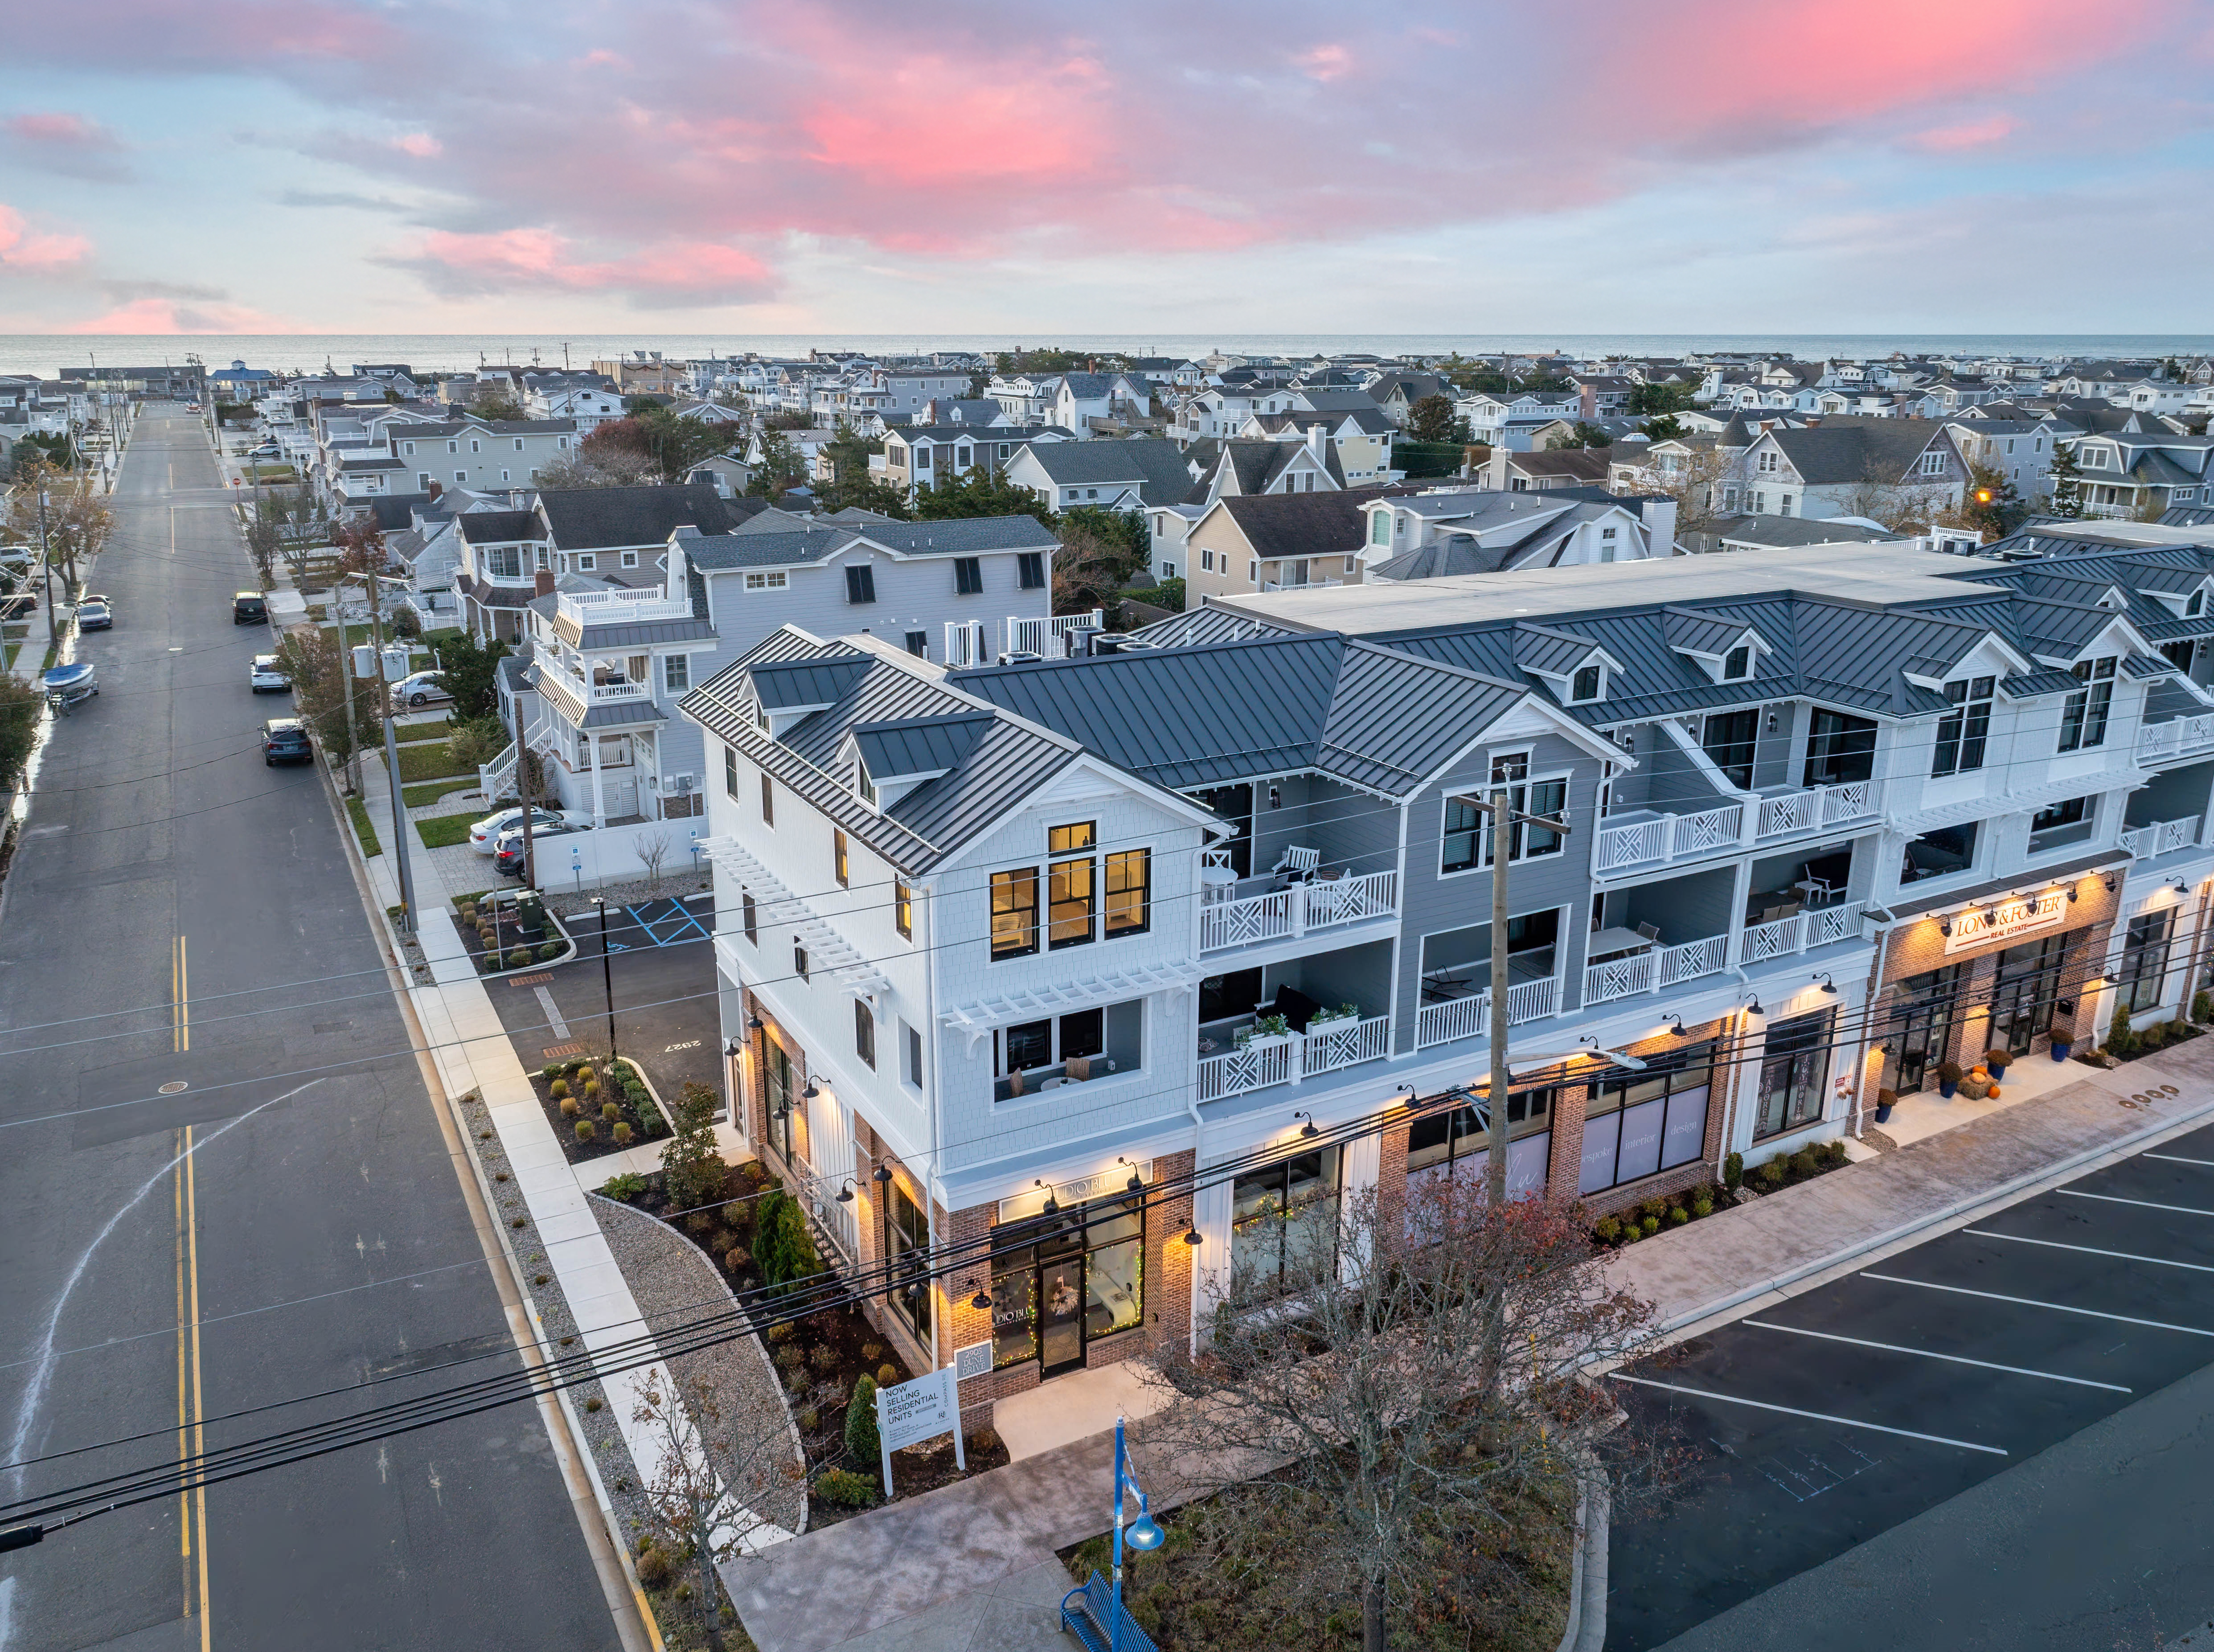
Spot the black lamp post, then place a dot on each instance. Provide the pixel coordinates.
(607, 976)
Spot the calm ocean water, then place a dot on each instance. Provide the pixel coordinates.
(305, 351)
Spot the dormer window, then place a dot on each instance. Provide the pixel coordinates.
(863, 787)
(1737, 665)
(1586, 686)
(2196, 605)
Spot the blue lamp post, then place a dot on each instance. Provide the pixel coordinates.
(1144, 1532)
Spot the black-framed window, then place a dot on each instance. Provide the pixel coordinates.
(1840, 750)
(730, 772)
(842, 859)
(918, 644)
(750, 915)
(861, 584)
(914, 1055)
(1793, 1071)
(2083, 719)
(1457, 1142)
(1728, 739)
(2143, 970)
(1283, 1223)
(864, 1032)
(1963, 732)
(1524, 840)
(968, 576)
(1737, 665)
(907, 1237)
(1939, 853)
(1636, 1124)
(1226, 997)
(1072, 902)
(1101, 1243)
(1031, 566)
(2057, 824)
(903, 909)
(769, 799)
(1129, 892)
(1014, 912)
(1584, 685)
(800, 960)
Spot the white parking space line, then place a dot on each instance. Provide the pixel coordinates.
(2089, 1250)
(552, 1014)
(2178, 1159)
(2032, 1302)
(1817, 1417)
(1927, 1354)
(2141, 1204)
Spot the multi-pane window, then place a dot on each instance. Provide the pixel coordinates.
(1129, 892)
(864, 1032)
(840, 859)
(750, 915)
(1637, 1123)
(2145, 960)
(1965, 730)
(1466, 827)
(1014, 912)
(774, 580)
(1071, 899)
(903, 910)
(1031, 566)
(1792, 1071)
(1283, 1224)
(2056, 824)
(1729, 738)
(676, 673)
(2083, 721)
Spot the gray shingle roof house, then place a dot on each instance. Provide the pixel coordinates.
(1114, 476)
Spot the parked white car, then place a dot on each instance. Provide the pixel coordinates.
(484, 834)
(421, 689)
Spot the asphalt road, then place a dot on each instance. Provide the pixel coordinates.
(288, 1222)
(1981, 1441)
(662, 962)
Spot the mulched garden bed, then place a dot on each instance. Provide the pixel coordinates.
(508, 930)
(585, 1093)
(1678, 1210)
(819, 1360)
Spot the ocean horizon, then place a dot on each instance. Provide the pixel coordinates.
(47, 353)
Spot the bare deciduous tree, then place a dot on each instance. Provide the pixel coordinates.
(651, 849)
(1371, 1439)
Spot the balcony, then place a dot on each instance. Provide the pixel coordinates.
(2161, 837)
(1061, 637)
(1783, 937)
(1453, 1019)
(1303, 908)
(1655, 968)
(2175, 736)
(1293, 1058)
(621, 607)
(1647, 840)
(600, 691)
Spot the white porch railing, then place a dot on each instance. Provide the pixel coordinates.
(1058, 637)
(498, 776)
(965, 643)
(1302, 909)
(1663, 838)
(589, 694)
(2176, 735)
(2143, 842)
(617, 605)
(1471, 1017)
(1817, 927)
(1693, 959)
(1655, 967)
(1291, 1057)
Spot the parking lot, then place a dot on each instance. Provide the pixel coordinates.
(662, 967)
(1821, 1423)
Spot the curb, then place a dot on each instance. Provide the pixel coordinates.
(1587, 1628)
(2028, 1179)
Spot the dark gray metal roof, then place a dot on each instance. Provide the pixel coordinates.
(2028, 685)
(1703, 634)
(1540, 648)
(638, 634)
(817, 681)
(918, 745)
(2148, 665)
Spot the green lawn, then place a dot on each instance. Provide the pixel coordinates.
(410, 734)
(444, 831)
(416, 797)
(362, 829)
(428, 760)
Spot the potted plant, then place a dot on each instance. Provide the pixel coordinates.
(1949, 1079)
(1998, 1061)
(2063, 1042)
(1884, 1101)
(1325, 1015)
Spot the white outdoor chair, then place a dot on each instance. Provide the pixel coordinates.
(1298, 862)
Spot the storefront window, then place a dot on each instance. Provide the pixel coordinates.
(1081, 1276)
(907, 1236)
(1792, 1073)
(2026, 990)
(1457, 1143)
(2145, 960)
(1283, 1224)
(1637, 1124)
(1922, 1024)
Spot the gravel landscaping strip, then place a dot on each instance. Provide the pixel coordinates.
(674, 1283)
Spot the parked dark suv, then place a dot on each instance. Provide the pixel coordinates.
(249, 607)
(285, 740)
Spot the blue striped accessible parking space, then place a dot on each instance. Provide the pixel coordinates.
(1819, 1421)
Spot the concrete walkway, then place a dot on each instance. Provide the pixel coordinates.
(968, 1566)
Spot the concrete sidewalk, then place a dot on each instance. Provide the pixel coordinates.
(973, 1564)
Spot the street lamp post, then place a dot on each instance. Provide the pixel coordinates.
(607, 972)
(1144, 1532)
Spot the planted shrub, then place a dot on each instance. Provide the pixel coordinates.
(585, 1130)
(792, 1358)
(1648, 1226)
(591, 1090)
(1770, 1175)
(628, 1185)
(652, 1567)
(873, 1351)
(609, 1111)
(1733, 1171)
(887, 1374)
(735, 1258)
(845, 1490)
(1805, 1163)
(549, 951)
(552, 1073)
(1607, 1230)
(1834, 1152)
(1653, 1207)
(519, 958)
(584, 1074)
(468, 911)
(569, 1108)
(702, 1222)
(780, 1333)
(862, 1441)
(622, 1133)
(559, 1087)
(984, 1440)
(1677, 1215)
(823, 1357)
(1703, 1204)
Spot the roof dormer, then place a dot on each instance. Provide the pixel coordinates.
(1727, 651)
(788, 692)
(891, 759)
(1575, 669)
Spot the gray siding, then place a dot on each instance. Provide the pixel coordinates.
(1681, 908)
(1351, 829)
(917, 595)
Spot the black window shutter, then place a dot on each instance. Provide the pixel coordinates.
(861, 584)
(968, 576)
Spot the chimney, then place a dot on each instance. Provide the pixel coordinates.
(1315, 444)
(543, 578)
(434, 489)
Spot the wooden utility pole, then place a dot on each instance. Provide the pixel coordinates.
(1504, 819)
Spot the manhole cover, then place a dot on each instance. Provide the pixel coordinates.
(172, 1086)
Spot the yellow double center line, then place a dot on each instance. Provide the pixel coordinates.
(181, 1026)
(192, 1438)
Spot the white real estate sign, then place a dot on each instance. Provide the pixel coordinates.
(912, 1412)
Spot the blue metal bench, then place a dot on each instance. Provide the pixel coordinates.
(1085, 1613)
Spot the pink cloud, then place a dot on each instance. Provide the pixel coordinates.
(1326, 63)
(421, 144)
(51, 126)
(675, 271)
(1967, 134)
(37, 253)
(173, 315)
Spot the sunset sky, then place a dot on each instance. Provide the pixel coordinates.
(835, 166)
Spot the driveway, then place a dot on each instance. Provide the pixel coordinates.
(1827, 1421)
(662, 965)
